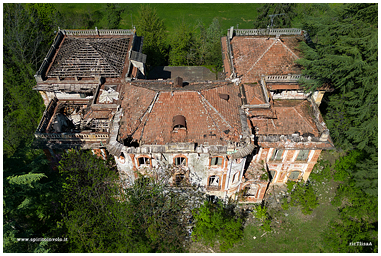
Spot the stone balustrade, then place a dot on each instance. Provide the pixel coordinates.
(283, 78)
(272, 31)
(45, 64)
(81, 136)
(95, 32)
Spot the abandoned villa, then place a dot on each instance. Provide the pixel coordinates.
(242, 134)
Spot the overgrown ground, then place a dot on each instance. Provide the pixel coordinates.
(292, 231)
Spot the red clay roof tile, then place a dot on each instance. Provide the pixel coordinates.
(254, 56)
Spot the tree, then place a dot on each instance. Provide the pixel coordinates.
(210, 46)
(263, 19)
(26, 41)
(31, 202)
(113, 15)
(184, 46)
(152, 28)
(217, 222)
(301, 193)
(103, 214)
(343, 54)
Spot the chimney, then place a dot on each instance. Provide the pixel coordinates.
(178, 82)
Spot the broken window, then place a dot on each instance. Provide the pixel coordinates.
(179, 179)
(294, 175)
(277, 155)
(143, 160)
(214, 181)
(122, 158)
(216, 161)
(250, 190)
(180, 161)
(303, 155)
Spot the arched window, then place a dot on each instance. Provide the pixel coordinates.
(294, 175)
(122, 158)
(216, 160)
(180, 161)
(144, 161)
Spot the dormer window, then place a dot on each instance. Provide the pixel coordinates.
(178, 122)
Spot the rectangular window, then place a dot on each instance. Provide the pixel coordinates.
(180, 161)
(143, 160)
(303, 155)
(216, 161)
(277, 155)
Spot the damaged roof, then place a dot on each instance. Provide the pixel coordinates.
(292, 116)
(148, 115)
(87, 57)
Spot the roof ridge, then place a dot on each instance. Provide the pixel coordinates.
(215, 110)
(305, 120)
(149, 109)
(260, 57)
(103, 57)
(289, 49)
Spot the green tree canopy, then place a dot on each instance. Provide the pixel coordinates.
(343, 54)
(217, 222)
(286, 11)
(152, 28)
(103, 214)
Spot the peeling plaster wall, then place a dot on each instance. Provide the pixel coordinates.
(284, 167)
(198, 166)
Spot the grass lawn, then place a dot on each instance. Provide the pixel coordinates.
(229, 14)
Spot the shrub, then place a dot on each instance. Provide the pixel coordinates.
(217, 222)
(301, 194)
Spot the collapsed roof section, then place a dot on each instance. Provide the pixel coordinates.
(67, 124)
(84, 54)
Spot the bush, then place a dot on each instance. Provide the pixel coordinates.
(217, 222)
(261, 214)
(301, 194)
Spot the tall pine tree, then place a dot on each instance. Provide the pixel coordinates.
(343, 54)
